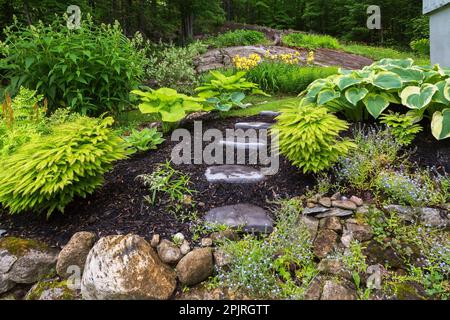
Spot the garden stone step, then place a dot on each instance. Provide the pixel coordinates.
(253, 125)
(269, 113)
(247, 217)
(233, 174)
(241, 145)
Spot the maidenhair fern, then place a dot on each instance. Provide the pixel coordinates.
(309, 137)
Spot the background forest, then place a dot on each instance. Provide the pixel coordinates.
(182, 20)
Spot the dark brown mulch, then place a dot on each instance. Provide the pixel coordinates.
(119, 207)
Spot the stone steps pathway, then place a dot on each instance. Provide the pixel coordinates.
(253, 125)
(233, 174)
(241, 145)
(269, 113)
(245, 217)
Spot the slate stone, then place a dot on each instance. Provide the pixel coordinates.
(241, 145)
(253, 125)
(269, 113)
(246, 216)
(336, 212)
(314, 210)
(233, 174)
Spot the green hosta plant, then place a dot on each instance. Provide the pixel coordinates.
(309, 137)
(423, 91)
(49, 171)
(144, 140)
(225, 93)
(169, 105)
(226, 101)
(402, 126)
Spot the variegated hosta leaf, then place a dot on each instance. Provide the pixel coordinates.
(327, 95)
(376, 104)
(343, 82)
(440, 125)
(443, 94)
(418, 97)
(354, 95)
(387, 81)
(410, 74)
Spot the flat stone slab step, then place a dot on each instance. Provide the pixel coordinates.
(247, 145)
(253, 125)
(269, 113)
(233, 174)
(247, 217)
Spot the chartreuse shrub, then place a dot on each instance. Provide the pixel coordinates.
(402, 126)
(91, 70)
(19, 119)
(423, 91)
(310, 41)
(309, 137)
(226, 92)
(168, 105)
(50, 170)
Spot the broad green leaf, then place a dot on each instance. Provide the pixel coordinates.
(347, 81)
(387, 80)
(443, 89)
(354, 95)
(376, 104)
(410, 74)
(327, 95)
(440, 124)
(315, 87)
(418, 97)
(237, 97)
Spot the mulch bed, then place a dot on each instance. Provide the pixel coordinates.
(119, 206)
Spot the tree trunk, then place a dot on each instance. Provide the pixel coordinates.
(26, 9)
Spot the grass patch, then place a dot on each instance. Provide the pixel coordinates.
(378, 53)
(237, 38)
(310, 41)
(269, 104)
(283, 78)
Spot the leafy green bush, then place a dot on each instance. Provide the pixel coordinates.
(144, 140)
(90, 70)
(170, 106)
(262, 267)
(402, 127)
(309, 137)
(237, 38)
(421, 46)
(373, 89)
(287, 78)
(172, 66)
(310, 41)
(49, 171)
